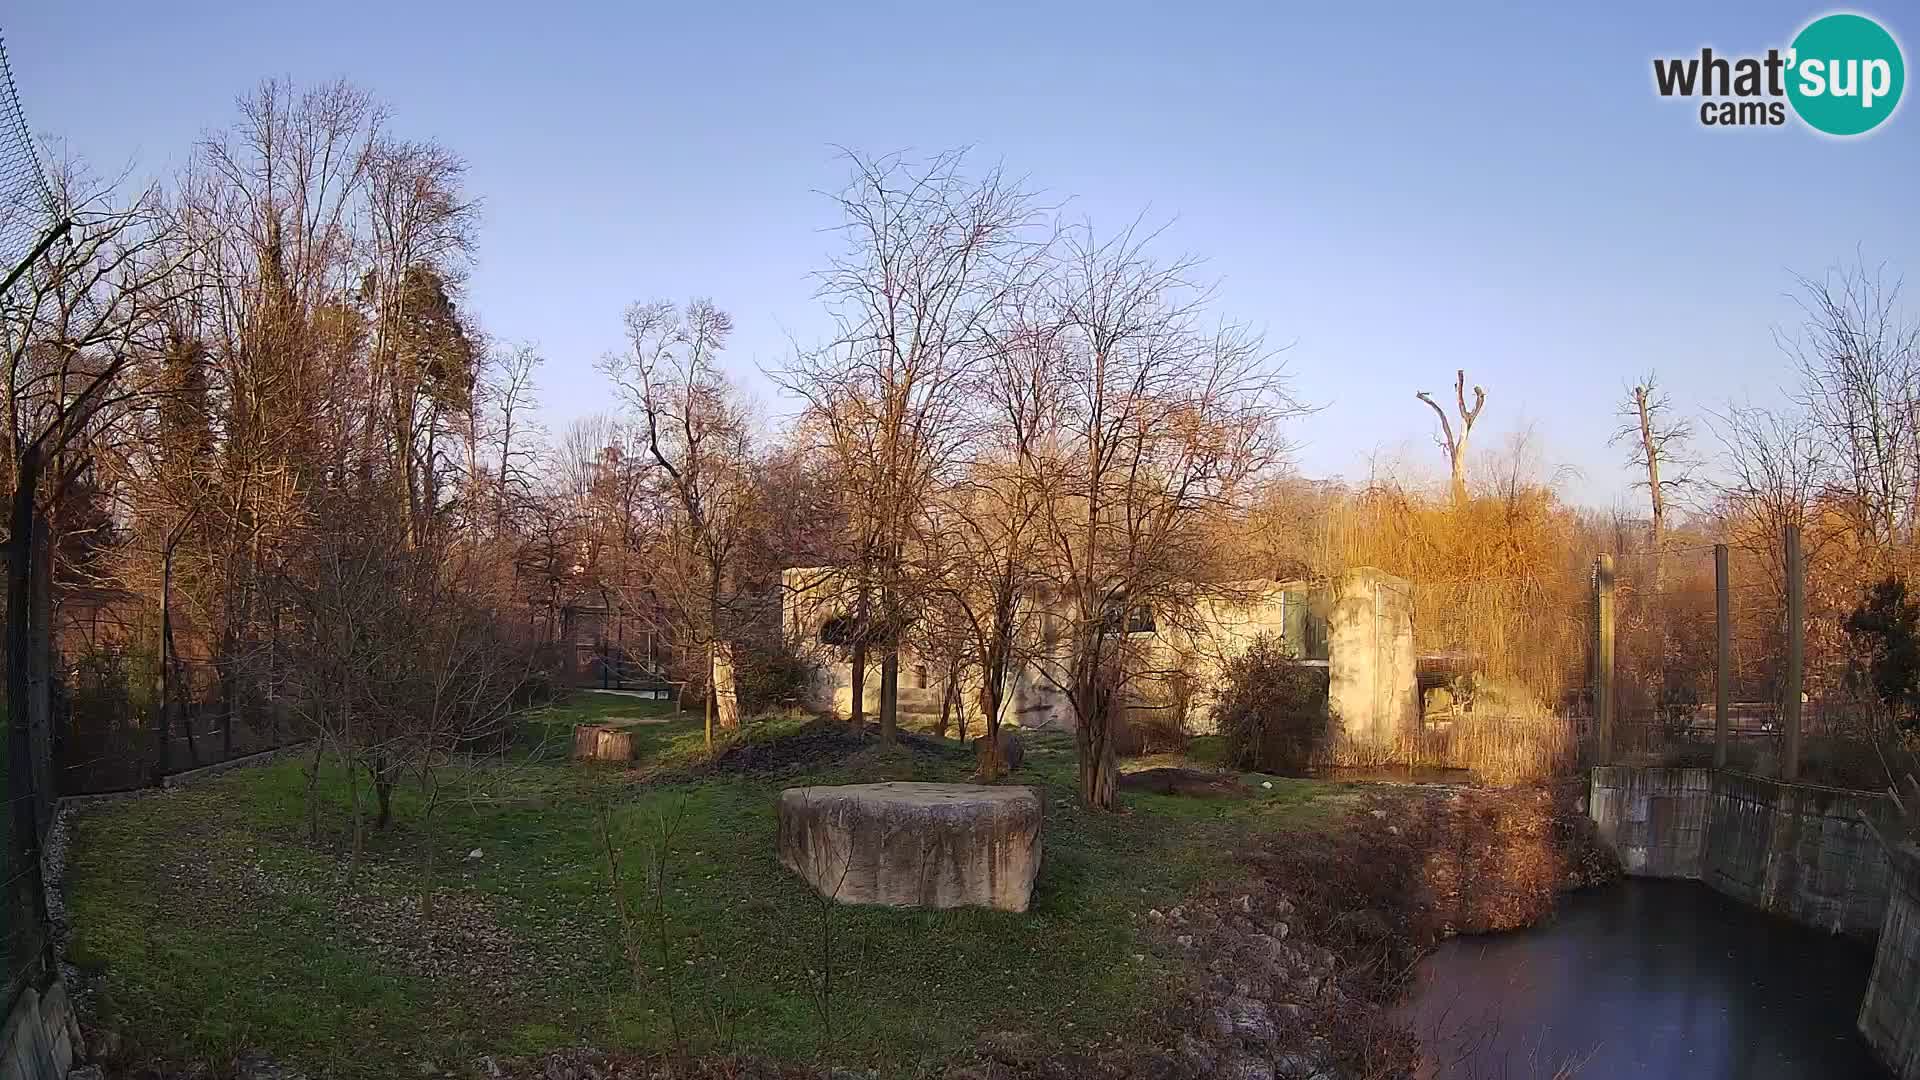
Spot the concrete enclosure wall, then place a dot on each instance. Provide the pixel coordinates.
(1367, 648)
(1793, 849)
(1372, 692)
(1800, 851)
(1890, 1011)
(1654, 819)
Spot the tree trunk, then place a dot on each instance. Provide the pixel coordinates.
(166, 658)
(1100, 769)
(24, 901)
(725, 689)
(1457, 462)
(948, 688)
(992, 765)
(857, 710)
(313, 791)
(889, 694)
(383, 792)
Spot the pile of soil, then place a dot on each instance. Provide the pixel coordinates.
(1190, 782)
(821, 742)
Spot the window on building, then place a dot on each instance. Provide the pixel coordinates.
(1140, 619)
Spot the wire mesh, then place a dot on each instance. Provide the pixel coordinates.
(26, 200)
(26, 215)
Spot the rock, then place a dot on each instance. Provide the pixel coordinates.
(489, 1068)
(1197, 1055)
(1013, 752)
(1185, 941)
(1251, 1019)
(1293, 1066)
(914, 844)
(474, 854)
(1245, 1068)
(1157, 1065)
(1244, 904)
(86, 1072)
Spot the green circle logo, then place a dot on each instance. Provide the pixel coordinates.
(1845, 74)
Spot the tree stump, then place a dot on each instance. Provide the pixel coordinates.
(913, 844)
(600, 742)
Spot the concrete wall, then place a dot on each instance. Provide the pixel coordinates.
(1890, 1012)
(1654, 819)
(1371, 688)
(1369, 642)
(1796, 850)
(1800, 851)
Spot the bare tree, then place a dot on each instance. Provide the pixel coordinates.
(930, 257)
(1660, 446)
(1859, 363)
(1455, 444)
(1153, 426)
(699, 434)
(1774, 470)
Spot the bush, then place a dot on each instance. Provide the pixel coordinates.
(1272, 710)
(1154, 720)
(769, 674)
(1885, 632)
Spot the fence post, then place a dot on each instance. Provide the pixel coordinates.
(1722, 654)
(1796, 647)
(1603, 658)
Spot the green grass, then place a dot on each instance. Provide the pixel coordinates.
(217, 926)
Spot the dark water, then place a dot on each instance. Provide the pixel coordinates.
(1646, 979)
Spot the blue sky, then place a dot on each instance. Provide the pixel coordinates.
(1396, 189)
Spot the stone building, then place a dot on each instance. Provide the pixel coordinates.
(1359, 627)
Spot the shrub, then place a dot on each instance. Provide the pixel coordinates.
(1154, 720)
(769, 674)
(1885, 632)
(1272, 709)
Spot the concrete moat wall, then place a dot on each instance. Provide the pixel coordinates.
(1793, 849)
(1890, 1011)
(1796, 850)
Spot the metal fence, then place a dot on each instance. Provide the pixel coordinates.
(1720, 657)
(107, 734)
(27, 219)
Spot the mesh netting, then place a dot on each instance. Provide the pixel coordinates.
(26, 202)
